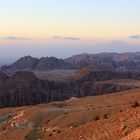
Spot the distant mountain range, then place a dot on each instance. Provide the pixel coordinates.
(108, 61)
(102, 61)
(29, 63)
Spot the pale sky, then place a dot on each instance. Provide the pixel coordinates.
(65, 27)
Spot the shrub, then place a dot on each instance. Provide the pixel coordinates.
(121, 110)
(96, 118)
(136, 104)
(50, 134)
(65, 113)
(34, 134)
(105, 116)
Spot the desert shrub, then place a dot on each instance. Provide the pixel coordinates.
(136, 104)
(65, 113)
(47, 121)
(96, 118)
(59, 131)
(38, 119)
(105, 116)
(78, 122)
(50, 134)
(34, 134)
(6, 117)
(121, 110)
(59, 105)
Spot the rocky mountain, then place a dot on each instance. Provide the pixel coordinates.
(86, 60)
(103, 61)
(23, 88)
(29, 63)
(51, 63)
(109, 61)
(24, 63)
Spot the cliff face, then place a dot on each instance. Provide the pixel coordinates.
(23, 88)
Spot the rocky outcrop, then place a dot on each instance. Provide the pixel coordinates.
(18, 120)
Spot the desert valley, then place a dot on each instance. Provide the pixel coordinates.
(69, 70)
(84, 97)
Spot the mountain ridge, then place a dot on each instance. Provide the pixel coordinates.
(102, 61)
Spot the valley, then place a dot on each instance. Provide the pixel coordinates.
(84, 97)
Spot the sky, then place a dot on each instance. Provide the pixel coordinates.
(63, 28)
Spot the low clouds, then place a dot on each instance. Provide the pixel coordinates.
(56, 37)
(135, 37)
(16, 38)
(71, 38)
(66, 38)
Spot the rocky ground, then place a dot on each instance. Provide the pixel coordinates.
(107, 117)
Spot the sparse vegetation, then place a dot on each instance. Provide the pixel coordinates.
(78, 122)
(65, 113)
(121, 110)
(38, 119)
(50, 134)
(6, 117)
(34, 134)
(59, 105)
(49, 121)
(136, 104)
(59, 131)
(96, 118)
(105, 116)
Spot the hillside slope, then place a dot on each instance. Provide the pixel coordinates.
(115, 116)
